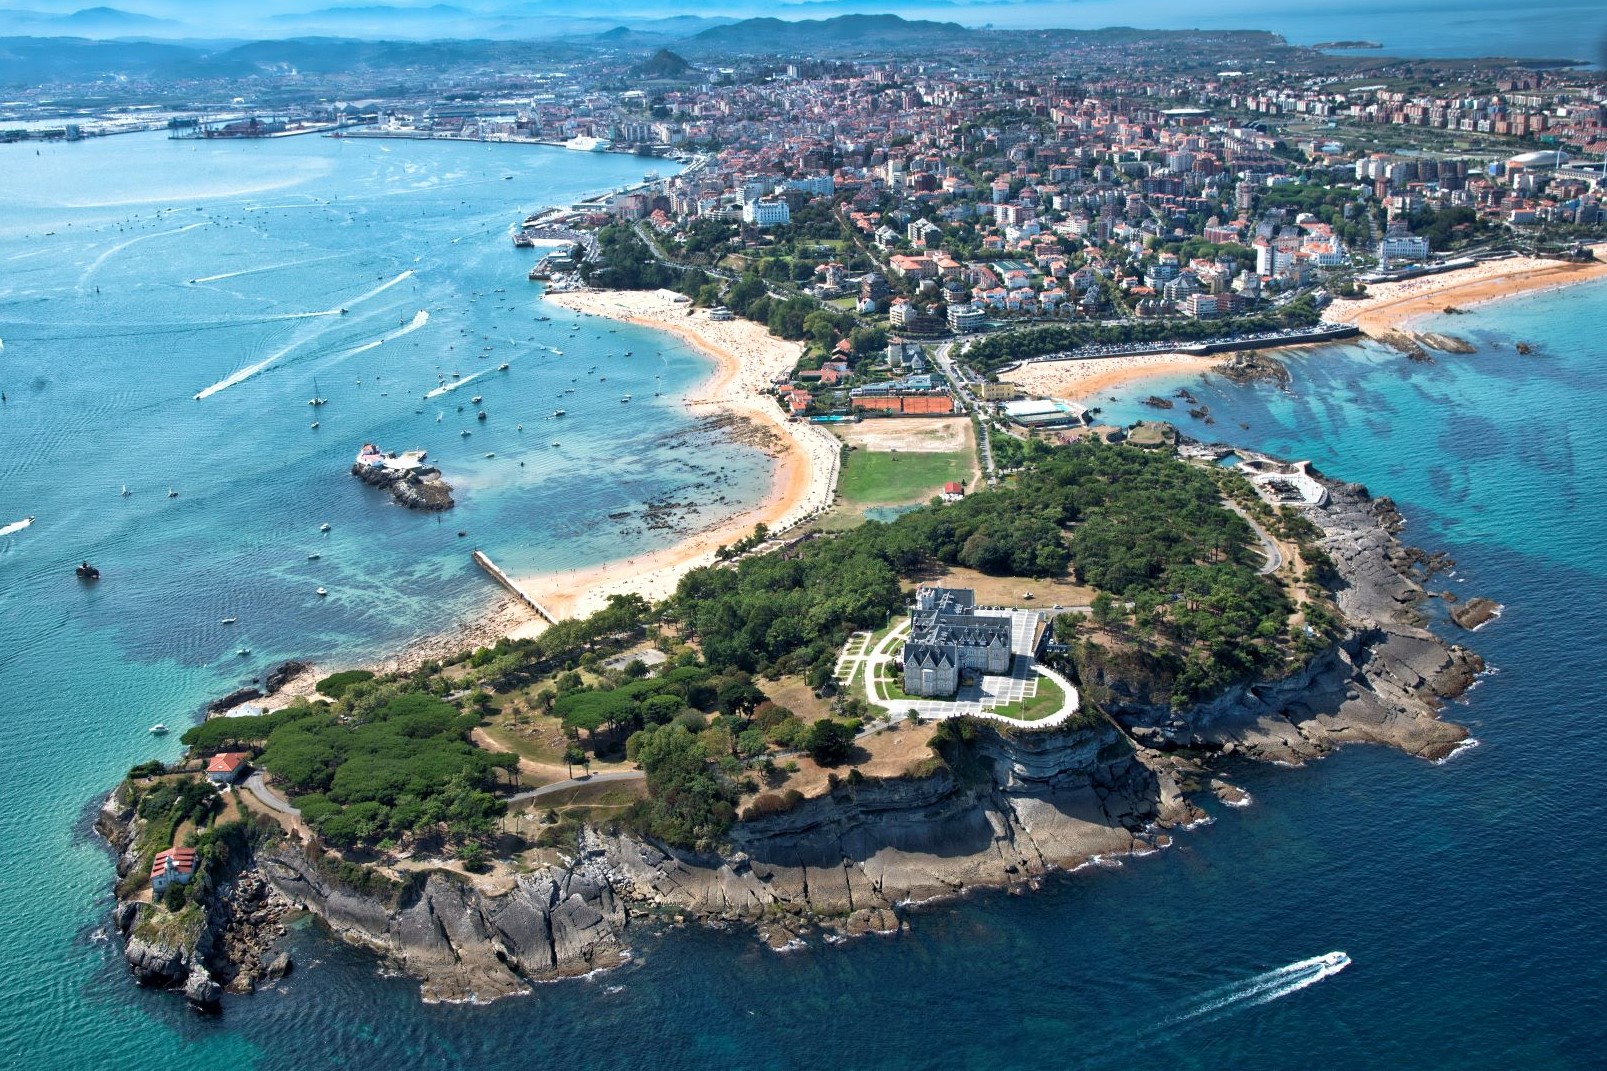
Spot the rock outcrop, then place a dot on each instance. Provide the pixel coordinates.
(467, 944)
(420, 488)
(222, 941)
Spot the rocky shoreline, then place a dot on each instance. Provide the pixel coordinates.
(421, 488)
(1009, 807)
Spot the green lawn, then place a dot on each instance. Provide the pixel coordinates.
(1046, 702)
(875, 478)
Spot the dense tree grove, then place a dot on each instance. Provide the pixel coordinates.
(1141, 526)
(387, 763)
(1008, 346)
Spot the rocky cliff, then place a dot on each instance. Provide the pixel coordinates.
(467, 944)
(1004, 806)
(223, 941)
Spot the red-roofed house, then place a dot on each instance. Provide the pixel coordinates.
(227, 766)
(173, 865)
(953, 491)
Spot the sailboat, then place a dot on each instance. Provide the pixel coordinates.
(125, 492)
(316, 399)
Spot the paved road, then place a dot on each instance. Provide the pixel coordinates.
(270, 799)
(576, 782)
(1268, 547)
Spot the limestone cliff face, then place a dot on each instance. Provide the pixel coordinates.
(465, 944)
(1035, 801)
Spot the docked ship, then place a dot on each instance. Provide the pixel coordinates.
(582, 143)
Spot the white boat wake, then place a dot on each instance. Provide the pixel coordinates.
(243, 374)
(447, 388)
(95, 265)
(419, 320)
(377, 291)
(265, 268)
(16, 526)
(250, 370)
(1267, 987)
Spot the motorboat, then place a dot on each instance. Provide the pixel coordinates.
(228, 620)
(480, 415)
(558, 412)
(465, 433)
(476, 399)
(85, 571)
(242, 652)
(503, 367)
(314, 425)
(322, 592)
(159, 729)
(324, 527)
(172, 493)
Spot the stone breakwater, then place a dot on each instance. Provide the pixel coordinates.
(1005, 807)
(419, 488)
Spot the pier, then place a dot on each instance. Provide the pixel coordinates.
(506, 581)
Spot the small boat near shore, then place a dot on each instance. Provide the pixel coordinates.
(159, 729)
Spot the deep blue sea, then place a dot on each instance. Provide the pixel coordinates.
(1466, 894)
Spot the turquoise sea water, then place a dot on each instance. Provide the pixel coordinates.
(1465, 894)
(137, 272)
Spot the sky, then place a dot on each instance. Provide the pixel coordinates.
(1566, 28)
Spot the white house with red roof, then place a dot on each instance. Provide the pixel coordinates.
(226, 767)
(173, 866)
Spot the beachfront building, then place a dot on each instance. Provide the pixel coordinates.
(1401, 246)
(948, 637)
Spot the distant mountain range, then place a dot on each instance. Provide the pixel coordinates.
(841, 33)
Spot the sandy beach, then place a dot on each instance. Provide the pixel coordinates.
(1088, 381)
(749, 360)
(1390, 305)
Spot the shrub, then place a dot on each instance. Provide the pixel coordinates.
(336, 684)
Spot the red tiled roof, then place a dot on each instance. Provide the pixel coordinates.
(183, 859)
(952, 488)
(227, 761)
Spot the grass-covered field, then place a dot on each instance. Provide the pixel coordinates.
(872, 478)
(1048, 700)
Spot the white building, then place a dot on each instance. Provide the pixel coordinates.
(766, 213)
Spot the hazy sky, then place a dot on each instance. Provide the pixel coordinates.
(1571, 28)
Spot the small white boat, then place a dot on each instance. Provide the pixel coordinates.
(315, 425)
(558, 412)
(503, 367)
(324, 527)
(158, 729)
(321, 593)
(242, 652)
(314, 557)
(491, 455)
(125, 492)
(475, 400)
(625, 398)
(555, 442)
(228, 620)
(172, 493)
